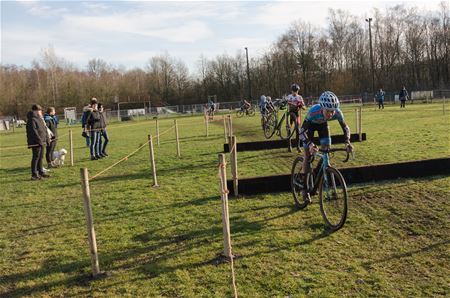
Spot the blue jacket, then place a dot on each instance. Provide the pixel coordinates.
(380, 96)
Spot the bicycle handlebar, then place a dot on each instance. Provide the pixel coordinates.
(339, 149)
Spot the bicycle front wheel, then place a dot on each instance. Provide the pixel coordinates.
(297, 183)
(286, 128)
(240, 113)
(269, 124)
(251, 112)
(333, 198)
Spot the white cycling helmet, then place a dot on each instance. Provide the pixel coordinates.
(328, 100)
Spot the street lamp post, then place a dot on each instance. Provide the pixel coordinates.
(248, 76)
(369, 20)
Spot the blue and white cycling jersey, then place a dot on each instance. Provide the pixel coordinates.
(315, 115)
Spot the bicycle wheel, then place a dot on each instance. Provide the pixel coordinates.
(270, 122)
(286, 129)
(251, 112)
(333, 198)
(297, 185)
(240, 113)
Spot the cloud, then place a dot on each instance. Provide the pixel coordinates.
(37, 8)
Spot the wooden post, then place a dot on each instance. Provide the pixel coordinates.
(89, 221)
(157, 131)
(206, 122)
(177, 138)
(233, 159)
(224, 128)
(356, 120)
(225, 213)
(360, 124)
(71, 147)
(152, 161)
(230, 126)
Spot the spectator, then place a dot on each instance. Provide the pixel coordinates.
(37, 137)
(86, 111)
(51, 121)
(94, 128)
(380, 98)
(403, 97)
(103, 133)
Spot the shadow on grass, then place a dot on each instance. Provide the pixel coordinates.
(405, 254)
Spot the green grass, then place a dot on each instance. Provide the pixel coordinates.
(161, 242)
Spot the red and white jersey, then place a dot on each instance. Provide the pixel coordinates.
(295, 100)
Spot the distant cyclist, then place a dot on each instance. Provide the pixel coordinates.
(211, 107)
(245, 105)
(317, 120)
(262, 104)
(295, 103)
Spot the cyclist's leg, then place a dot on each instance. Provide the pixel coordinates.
(324, 136)
(306, 165)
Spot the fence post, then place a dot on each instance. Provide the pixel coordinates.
(233, 159)
(89, 221)
(177, 138)
(230, 126)
(224, 128)
(360, 124)
(206, 122)
(71, 147)
(152, 161)
(225, 214)
(157, 131)
(356, 120)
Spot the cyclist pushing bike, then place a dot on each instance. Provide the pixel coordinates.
(295, 103)
(317, 120)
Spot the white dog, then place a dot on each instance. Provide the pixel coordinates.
(59, 157)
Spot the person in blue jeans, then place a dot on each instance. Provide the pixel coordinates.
(94, 128)
(104, 140)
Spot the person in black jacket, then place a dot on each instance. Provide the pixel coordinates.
(37, 138)
(52, 123)
(103, 133)
(403, 97)
(94, 128)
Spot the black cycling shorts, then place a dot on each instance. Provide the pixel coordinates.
(322, 129)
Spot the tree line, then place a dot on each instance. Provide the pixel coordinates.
(410, 48)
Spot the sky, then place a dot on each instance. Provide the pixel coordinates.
(129, 33)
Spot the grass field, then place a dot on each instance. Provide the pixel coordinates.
(161, 242)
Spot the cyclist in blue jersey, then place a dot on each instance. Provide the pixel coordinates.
(317, 120)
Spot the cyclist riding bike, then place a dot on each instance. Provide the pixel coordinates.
(245, 105)
(317, 120)
(262, 105)
(295, 103)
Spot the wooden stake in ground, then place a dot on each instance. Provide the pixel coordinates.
(89, 221)
(360, 124)
(356, 120)
(225, 128)
(230, 126)
(206, 124)
(71, 147)
(225, 214)
(157, 131)
(152, 161)
(233, 160)
(177, 138)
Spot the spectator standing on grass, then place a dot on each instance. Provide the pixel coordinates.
(94, 127)
(104, 140)
(403, 97)
(37, 138)
(51, 121)
(380, 98)
(86, 111)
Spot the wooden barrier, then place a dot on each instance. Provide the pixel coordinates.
(362, 174)
(278, 144)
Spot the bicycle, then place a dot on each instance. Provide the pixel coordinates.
(246, 111)
(330, 184)
(271, 124)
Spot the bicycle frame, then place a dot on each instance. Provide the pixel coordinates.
(318, 171)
